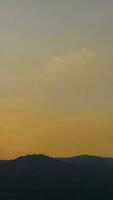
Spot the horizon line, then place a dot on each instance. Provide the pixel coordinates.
(57, 157)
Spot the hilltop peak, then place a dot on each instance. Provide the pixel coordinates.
(33, 157)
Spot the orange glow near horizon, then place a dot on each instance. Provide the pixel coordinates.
(56, 78)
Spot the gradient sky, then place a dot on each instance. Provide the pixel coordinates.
(56, 77)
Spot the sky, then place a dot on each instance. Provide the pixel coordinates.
(56, 77)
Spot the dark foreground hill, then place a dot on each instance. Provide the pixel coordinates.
(39, 177)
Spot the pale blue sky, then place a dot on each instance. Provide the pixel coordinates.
(50, 25)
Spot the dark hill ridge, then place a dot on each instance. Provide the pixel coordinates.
(33, 156)
(44, 178)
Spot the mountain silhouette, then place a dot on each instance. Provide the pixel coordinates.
(45, 178)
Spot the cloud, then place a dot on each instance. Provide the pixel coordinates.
(76, 80)
(66, 78)
(67, 62)
(72, 81)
